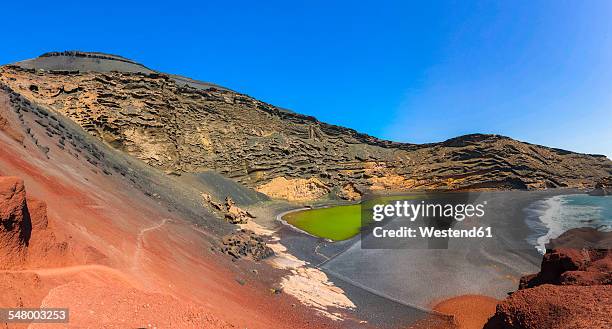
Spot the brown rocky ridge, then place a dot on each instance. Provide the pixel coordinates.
(183, 127)
(572, 290)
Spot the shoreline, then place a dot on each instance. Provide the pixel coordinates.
(498, 266)
(280, 219)
(532, 217)
(500, 263)
(552, 216)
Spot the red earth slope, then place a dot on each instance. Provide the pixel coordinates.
(115, 256)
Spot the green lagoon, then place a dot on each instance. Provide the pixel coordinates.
(335, 223)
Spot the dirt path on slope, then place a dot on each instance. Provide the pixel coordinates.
(140, 239)
(75, 269)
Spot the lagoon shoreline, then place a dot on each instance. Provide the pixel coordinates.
(417, 279)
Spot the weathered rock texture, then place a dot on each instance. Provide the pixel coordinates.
(136, 238)
(295, 189)
(578, 257)
(230, 211)
(179, 128)
(555, 307)
(15, 223)
(24, 235)
(572, 290)
(350, 192)
(246, 243)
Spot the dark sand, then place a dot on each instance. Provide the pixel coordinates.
(397, 287)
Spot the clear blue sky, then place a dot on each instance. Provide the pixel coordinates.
(538, 71)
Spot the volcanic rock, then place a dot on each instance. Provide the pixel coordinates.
(555, 307)
(581, 256)
(208, 200)
(230, 211)
(15, 223)
(296, 189)
(572, 290)
(25, 238)
(179, 125)
(350, 192)
(234, 214)
(38, 214)
(245, 243)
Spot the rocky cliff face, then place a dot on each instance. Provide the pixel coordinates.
(181, 127)
(572, 290)
(15, 222)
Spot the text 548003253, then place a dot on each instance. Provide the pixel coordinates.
(34, 315)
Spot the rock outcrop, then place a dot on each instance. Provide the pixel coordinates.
(572, 290)
(179, 127)
(578, 257)
(15, 222)
(245, 243)
(25, 238)
(234, 214)
(229, 210)
(350, 192)
(295, 189)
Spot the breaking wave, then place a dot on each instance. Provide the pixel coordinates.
(551, 217)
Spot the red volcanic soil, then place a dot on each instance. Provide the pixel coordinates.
(469, 311)
(466, 311)
(115, 257)
(555, 307)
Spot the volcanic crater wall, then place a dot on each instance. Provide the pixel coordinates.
(181, 129)
(54, 137)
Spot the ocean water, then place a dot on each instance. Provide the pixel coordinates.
(551, 217)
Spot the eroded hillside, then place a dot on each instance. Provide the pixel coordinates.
(180, 128)
(117, 242)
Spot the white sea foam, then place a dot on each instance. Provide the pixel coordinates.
(551, 217)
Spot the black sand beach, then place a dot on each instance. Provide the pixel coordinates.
(408, 281)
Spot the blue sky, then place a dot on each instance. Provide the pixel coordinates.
(538, 71)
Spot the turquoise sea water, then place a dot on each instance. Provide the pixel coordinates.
(551, 217)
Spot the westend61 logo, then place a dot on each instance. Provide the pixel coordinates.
(423, 221)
